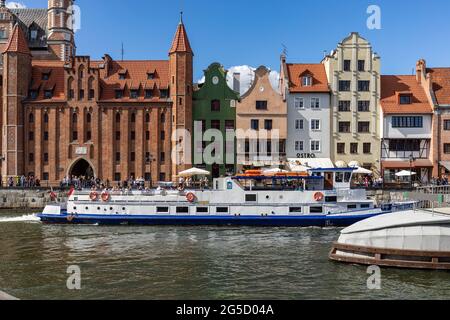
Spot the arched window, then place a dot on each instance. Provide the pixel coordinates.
(147, 117)
(133, 117)
(31, 118)
(88, 117)
(70, 91)
(74, 118)
(91, 88)
(163, 118)
(46, 117)
(81, 72)
(117, 117)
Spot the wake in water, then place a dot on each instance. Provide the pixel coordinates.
(24, 218)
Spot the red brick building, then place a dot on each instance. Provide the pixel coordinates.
(64, 114)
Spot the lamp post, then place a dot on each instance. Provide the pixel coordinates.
(411, 160)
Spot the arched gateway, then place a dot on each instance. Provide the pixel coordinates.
(82, 168)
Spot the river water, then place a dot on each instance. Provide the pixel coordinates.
(191, 263)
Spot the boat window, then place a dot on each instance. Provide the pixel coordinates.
(222, 210)
(202, 209)
(182, 209)
(250, 198)
(365, 206)
(351, 206)
(331, 199)
(295, 210)
(162, 209)
(339, 177)
(347, 177)
(316, 209)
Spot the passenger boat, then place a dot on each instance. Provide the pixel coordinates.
(321, 198)
(418, 239)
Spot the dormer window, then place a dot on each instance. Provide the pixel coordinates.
(119, 94)
(148, 94)
(3, 34)
(405, 99)
(164, 93)
(33, 94)
(122, 76)
(134, 94)
(151, 76)
(45, 76)
(33, 35)
(48, 94)
(307, 81)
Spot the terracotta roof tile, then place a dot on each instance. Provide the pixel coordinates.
(317, 71)
(391, 89)
(55, 82)
(17, 42)
(441, 84)
(181, 42)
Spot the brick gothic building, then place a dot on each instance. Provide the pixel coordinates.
(64, 114)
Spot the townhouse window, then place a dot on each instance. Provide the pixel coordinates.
(367, 148)
(261, 105)
(133, 135)
(229, 125)
(215, 105)
(269, 148)
(344, 127)
(247, 146)
(254, 124)
(363, 106)
(315, 146)
(347, 65)
(119, 94)
(307, 81)
(344, 85)
(315, 125)
(117, 135)
(45, 176)
(31, 135)
(48, 94)
(299, 103)
(162, 157)
(133, 157)
(215, 124)
(404, 145)
(33, 94)
(353, 148)
(147, 158)
(134, 94)
(268, 125)
(315, 103)
(340, 147)
(344, 106)
(45, 135)
(405, 99)
(162, 176)
(117, 156)
(299, 124)
(46, 157)
(407, 122)
(299, 145)
(447, 148)
(361, 65)
(364, 127)
(31, 157)
(148, 94)
(446, 125)
(363, 86)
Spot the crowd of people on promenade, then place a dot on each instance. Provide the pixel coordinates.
(442, 181)
(23, 181)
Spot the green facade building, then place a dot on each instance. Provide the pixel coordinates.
(214, 107)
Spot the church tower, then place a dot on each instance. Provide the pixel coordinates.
(181, 80)
(61, 38)
(17, 62)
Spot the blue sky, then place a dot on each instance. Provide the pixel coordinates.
(251, 32)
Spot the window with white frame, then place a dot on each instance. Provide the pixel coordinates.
(307, 81)
(315, 103)
(299, 146)
(298, 102)
(298, 124)
(315, 124)
(315, 146)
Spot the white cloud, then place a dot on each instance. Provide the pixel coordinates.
(15, 5)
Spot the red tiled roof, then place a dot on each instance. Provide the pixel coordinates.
(136, 76)
(441, 84)
(56, 81)
(181, 42)
(317, 71)
(393, 86)
(17, 42)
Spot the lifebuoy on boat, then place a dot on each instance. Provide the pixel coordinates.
(106, 196)
(190, 197)
(318, 196)
(93, 196)
(70, 218)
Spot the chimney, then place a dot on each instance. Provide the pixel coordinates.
(237, 82)
(420, 70)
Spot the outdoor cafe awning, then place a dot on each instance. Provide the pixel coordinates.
(421, 163)
(445, 164)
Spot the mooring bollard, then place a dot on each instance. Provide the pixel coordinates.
(4, 296)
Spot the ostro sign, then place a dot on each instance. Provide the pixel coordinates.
(306, 155)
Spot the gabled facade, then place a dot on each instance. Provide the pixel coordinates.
(353, 71)
(306, 91)
(261, 118)
(215, 108)
(108, 119)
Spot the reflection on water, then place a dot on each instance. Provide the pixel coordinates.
(191, 263)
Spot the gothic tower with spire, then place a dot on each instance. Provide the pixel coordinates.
(61, 38)
(181, 81)
(17, 60)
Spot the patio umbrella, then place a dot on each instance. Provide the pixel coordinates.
(405, 173)
(362, 171)
(194, 172)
